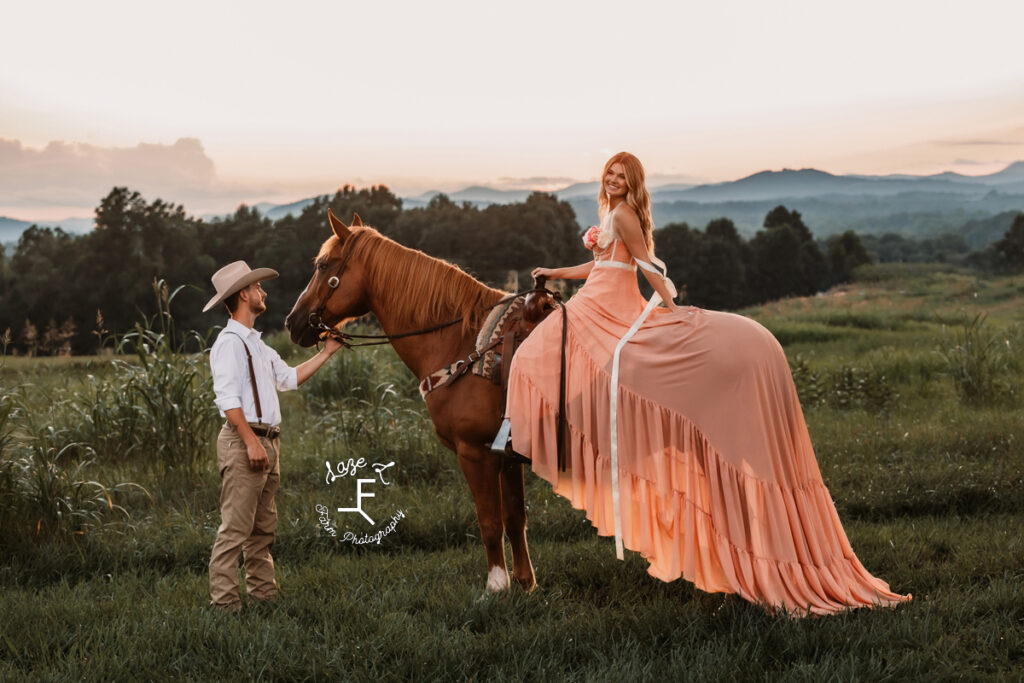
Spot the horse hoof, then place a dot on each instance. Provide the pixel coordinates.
(527, 584)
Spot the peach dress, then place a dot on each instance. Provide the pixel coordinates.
(717, 479)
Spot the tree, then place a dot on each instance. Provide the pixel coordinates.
(780, 216)
(115, 264)
(540, 231)
(846, 252)
(676, 244)
(712, 264)
(776, 265)
(785, 258)
(41, 276)
(723, 229)
(1011, 247)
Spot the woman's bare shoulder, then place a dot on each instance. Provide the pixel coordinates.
(626, 217)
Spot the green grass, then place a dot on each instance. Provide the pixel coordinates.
(930, 489)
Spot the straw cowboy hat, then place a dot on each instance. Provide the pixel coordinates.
(235, 277)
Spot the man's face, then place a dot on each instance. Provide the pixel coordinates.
(256, 298)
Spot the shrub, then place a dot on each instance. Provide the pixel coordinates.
(854, 387)
(979, 361)
(845, 388)
(810, 385)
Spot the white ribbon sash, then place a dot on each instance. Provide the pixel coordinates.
(613, 418)
(614, 264)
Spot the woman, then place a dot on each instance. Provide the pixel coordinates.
(686, 438)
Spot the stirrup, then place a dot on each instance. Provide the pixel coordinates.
(504, 438)
(503, 444)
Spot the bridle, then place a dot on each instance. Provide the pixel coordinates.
(316, 317)
(349, 340)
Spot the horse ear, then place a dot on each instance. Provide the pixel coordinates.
(356, 220)
(339, 228)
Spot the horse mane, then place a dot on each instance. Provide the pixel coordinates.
(426, 289)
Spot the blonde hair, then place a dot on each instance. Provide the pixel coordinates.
(636, 193)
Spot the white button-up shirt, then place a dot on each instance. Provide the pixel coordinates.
(231, 383)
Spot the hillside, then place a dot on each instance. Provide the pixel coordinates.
(911, 206)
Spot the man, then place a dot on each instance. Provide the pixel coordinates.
(248, 446)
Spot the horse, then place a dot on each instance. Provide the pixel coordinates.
(359, 271)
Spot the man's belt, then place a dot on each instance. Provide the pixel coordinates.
(266, 431)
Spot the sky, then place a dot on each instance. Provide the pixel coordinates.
(211, 104)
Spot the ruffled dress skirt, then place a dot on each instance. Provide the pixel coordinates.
(717, 477)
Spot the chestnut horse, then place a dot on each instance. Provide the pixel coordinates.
(359, 271)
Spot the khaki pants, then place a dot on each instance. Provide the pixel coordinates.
(248, 521)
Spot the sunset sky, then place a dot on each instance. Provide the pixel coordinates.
(211, 103)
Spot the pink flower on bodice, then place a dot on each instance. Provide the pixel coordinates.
(590, 237)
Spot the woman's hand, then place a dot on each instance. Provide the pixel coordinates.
(549, 273)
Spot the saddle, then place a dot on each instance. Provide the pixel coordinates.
(503, 331)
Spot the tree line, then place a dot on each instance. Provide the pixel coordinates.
(61, 293)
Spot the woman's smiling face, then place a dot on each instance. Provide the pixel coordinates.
(615, 181)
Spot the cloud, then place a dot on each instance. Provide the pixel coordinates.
(971, 162)
(1006, 138)
(977, 143)
(71, 174)
(535, 182)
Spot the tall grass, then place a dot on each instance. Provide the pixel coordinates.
(979, 359)
(45, 489)
(152, 411)
(155, 407)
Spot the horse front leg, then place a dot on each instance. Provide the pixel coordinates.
(481, 469)
(513, 508)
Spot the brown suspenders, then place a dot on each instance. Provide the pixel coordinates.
(252, 378)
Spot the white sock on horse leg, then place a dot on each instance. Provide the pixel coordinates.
(497, 579)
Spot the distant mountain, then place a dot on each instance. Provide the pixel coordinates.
(77, 226)
(479, 193)
(483, 196)
(810, 182)
(282, 210)
(913, 206)
(1014, 173)
(423, 198)
(579, 190)
(264, 207)
(983, 231)
(11, 228)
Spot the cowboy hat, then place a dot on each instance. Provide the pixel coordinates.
(235, 277)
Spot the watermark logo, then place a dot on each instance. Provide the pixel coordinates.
(351, 478)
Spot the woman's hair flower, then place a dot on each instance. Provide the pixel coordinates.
(590, 237)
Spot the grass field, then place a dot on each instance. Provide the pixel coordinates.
(915, 409)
